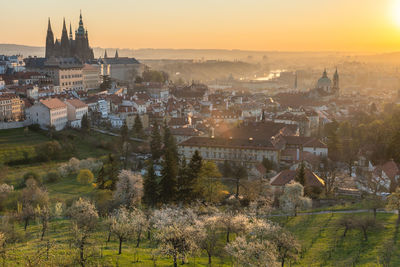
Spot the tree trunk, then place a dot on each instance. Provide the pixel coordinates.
(148, 235)
(209, 258)
(138, 239)
(237, 188)
(283, 262)
(120, 247)
(81, 255)
(345, 231)
(365, 234)
(227, 236)
(175, 263)
(26, 224)
(398, 217)
(109, 236)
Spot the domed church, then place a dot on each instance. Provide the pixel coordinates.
(325, 87)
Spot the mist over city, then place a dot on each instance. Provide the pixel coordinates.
(200, 133)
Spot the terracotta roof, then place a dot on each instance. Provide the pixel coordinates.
(286, 176)
(53, 103)
(76, 103)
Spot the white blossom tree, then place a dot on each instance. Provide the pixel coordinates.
(122, 225)
(293, 200)
(177, 231)
(234, 223)
(252, 252)
(129, 189)
(212, 226)
(84, 218)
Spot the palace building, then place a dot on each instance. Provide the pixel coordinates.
(67, 46)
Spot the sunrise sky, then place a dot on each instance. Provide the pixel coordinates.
(285, 25)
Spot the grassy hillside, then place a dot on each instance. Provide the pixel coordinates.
(18, 143)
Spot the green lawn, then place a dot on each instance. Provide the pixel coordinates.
(16, 143)
(323, 243)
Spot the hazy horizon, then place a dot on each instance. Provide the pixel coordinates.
(255, 25)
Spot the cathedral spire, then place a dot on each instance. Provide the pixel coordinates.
(116, 53)
(105, 53)
(70, 31)
(49, 41)
(49, 26)
(64, 41)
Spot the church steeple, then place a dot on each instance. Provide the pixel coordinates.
(49, 41)
(116, 53)
(105, 53)
(324, 75)
(336, 80)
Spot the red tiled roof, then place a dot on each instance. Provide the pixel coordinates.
(53, 103)
(286, 176)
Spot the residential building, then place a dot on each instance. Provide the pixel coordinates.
(120, 68)
(75, 111)
(49, 112)
(11, 107)
(91, 76)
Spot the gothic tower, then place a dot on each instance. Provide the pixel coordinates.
(65, 47)
(49, 41)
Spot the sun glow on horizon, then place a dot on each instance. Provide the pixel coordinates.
(396, 12)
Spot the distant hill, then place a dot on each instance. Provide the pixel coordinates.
(14, 49)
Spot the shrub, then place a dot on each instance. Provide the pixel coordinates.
(85, 176)
(31, 175)
(52, 177)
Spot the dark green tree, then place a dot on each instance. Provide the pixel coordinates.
(155, 143)
(227, 169)
(150, 186)
(169, 142)
(85, 124)
(168, 182)
(239, 174)
(183, 187)
(301, 174)
(138, 128)
(108, 174)
(268, 165)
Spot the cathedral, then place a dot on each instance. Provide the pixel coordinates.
(68, 46)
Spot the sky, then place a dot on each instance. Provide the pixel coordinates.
(279, 25)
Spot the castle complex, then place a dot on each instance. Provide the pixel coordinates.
(68, 46)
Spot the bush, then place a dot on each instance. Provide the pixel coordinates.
(52, 177)
(85, 176)
(31, 175)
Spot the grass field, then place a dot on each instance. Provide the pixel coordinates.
(16, 143)
(323, 243)
(321, 239)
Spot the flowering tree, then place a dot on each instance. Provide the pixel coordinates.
(84, 218)
(293, 198)
(252, 252)
(209, 243)
(129, 189)
(234, 223)
(177, 231)
(122, 222)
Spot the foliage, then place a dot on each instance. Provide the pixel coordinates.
(150, 186)
(129, 189)
(85, 176)
(292, 198)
